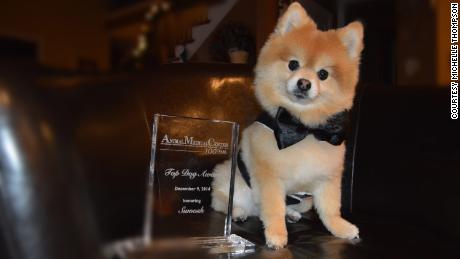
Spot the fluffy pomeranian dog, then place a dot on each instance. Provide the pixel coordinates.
(309, 76)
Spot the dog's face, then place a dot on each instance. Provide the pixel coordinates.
(311, 73)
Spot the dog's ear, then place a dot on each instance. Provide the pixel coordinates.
(351, 37)
(294, 17)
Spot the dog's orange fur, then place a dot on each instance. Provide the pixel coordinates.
(309, 165)
(313, 48)
(339, 51)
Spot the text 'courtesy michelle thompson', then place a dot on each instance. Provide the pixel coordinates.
(454, 61)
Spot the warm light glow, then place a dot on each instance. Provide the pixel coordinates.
(217, 83)
(152, 12)
(165, 6)
(141, 46)
(4, 98)
(194, 112)
(46, 132)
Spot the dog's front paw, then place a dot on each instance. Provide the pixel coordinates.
(292, 215)
(339, 227)
(276, 239)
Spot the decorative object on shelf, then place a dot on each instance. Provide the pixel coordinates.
(233, 43)
(238, 56)
(180, 54)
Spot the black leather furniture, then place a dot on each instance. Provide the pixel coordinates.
(74, 154)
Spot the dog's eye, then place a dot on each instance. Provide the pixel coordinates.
(323, 74)
(293, 65)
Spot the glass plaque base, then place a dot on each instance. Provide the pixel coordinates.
(232, 244)
(137, 247)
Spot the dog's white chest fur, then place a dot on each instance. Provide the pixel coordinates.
(300, 166)
(307, 166)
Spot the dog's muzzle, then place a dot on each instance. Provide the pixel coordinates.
(303, 86)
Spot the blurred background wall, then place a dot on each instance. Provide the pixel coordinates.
(407, 42)
(67, 34)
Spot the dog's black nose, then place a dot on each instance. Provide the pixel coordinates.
(303, 85)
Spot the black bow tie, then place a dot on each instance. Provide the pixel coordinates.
(289, 130)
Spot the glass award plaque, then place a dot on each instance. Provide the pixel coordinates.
(178, 212)
(184, 154)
